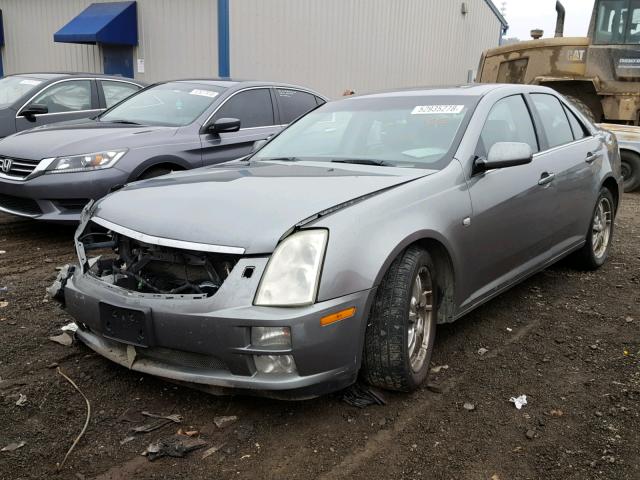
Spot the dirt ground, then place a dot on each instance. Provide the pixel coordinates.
(568, 340)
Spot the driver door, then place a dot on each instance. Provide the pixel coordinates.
(509, 226)
(65, 100)
(254, 109)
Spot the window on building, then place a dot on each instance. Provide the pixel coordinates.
(508, 121)
(252, 107)
(294, 103)
(554, 119)
(69, 96)
(114, 92)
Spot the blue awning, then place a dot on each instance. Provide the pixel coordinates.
(114, 23)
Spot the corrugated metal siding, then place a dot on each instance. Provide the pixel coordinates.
(365, 45)
(177, 38)
(29, 26)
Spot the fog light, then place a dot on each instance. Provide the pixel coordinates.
(271, 337)
(275, 363)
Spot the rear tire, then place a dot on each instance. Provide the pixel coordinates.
(630, 170)
(402, 324)
(595, 251)
(582, 107)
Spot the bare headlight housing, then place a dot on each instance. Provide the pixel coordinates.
(293, 272)
(86, 162)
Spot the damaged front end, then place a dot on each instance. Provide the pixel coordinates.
(150, 268)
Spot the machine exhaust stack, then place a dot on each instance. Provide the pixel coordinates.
(560, 20)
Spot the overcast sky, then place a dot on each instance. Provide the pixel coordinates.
(524, 15)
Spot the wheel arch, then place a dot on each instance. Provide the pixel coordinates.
(611, 184)
(440, 253)
(166, 161)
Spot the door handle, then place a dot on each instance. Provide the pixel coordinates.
(546, 178)
(591, 157)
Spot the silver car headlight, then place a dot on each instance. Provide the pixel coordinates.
(87, 162)
(293, 272)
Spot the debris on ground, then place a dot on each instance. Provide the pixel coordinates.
(160, 422)
(56, 289)
(86, 422)
(63, 339)
(22, 400)
(530, 434)
(519, 402)
(482, 351)
(4, 289)
(469, 406)
(12, 447)
(434, 388)
(556, 413)
(188, 433)
(4, 304)
(173, 446)
(210, 451)
(359, 395)
(2, 252)
(439, 368)
(70, 327)
(223, 422)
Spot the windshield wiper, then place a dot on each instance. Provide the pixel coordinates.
(363, 161)
(123, 122)
(280, 159)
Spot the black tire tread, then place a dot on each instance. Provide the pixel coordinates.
(632, 159)
(385, 343)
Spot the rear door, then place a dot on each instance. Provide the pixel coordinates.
(293, 103)
(570, 156)
(254, 108)
(66, 100)
(111, 92)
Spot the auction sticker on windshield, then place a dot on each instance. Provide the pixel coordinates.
(435, 109)
(30, 82)
(203, 93)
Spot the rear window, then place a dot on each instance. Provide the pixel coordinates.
(294, 103)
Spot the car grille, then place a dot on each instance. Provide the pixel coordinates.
(178, 358)
(26, 206)
(19, 168)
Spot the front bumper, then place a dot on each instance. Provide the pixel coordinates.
(207, 342)
(57, 197)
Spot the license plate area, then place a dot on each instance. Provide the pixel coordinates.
(126, 325)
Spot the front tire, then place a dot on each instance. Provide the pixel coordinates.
(630, 170)
(402, 324)
(595, 251)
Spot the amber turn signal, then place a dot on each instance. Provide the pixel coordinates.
(336, 317)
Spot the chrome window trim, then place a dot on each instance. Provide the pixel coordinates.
(69, 80)
(558, 147)
(20, 214)
(167, 242)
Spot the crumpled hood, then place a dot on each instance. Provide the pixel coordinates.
(78, 137)
(239, 204)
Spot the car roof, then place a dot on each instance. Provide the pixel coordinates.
(57, 75)
(470, 90)
(239, 84)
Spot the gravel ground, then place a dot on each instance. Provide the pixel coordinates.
(568, 340)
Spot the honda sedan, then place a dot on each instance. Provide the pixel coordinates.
(335, 250)
(50, 173)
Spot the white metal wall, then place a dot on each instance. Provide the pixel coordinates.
(177, 38)
(364, 45)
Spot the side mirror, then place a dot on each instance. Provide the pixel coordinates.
(224, 125)
(504, 155)
(30, 111)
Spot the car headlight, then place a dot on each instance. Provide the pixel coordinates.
(292, 274)
(87, 162)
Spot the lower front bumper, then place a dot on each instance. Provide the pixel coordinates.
(208, 345)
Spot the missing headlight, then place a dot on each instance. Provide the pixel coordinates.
(147, 268)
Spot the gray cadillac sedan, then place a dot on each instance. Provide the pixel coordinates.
(51, 172)
(337, 247)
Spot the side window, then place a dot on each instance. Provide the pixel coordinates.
(252, 107)
(554, 120)
(508, 121)
(70, 96)
(320, 101)
(294, 103)
(579, 130)
(116, 91)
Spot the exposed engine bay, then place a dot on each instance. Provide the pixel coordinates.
(147, 268)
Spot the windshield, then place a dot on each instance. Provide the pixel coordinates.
(405, 131)
(171, 104)
(12, 88)
(618, 22)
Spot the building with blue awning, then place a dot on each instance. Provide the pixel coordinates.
(327, 45)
